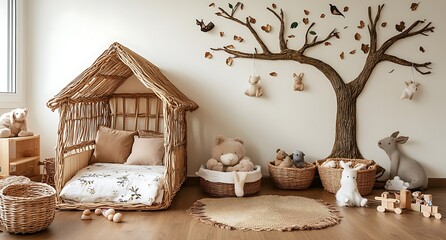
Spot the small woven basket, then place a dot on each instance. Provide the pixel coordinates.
(218, 189)
(292, 178)
(331, 177)
(50, 171)
(27, 208)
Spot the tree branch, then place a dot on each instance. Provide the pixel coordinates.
(313, 43)
(283, 43)
(403, 62)
(372, 28)
(247, 24)
(407, 33)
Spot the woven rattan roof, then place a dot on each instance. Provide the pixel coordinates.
(110, 70)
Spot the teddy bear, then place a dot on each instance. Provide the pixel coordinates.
(13, 124)
(228, 155)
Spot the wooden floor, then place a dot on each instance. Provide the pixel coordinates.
(175, 223)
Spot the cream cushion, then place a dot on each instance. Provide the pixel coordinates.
(112, 145)
(147, 151)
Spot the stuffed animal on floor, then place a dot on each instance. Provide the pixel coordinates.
(228, 155)
(348, 194)
(408, 169)
(13, 124)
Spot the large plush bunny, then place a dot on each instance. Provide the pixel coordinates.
(408, 169)
(348, 194)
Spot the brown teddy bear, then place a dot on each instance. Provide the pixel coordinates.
(228, 155)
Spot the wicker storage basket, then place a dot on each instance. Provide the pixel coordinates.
(292, 178)
(27, 208)
(331, 177)
(221, 187)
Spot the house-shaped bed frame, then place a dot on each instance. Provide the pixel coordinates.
(90, 100)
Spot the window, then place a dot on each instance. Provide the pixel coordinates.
(8, 46)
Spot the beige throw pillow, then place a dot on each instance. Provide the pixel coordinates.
(147, 151)
(112, 146)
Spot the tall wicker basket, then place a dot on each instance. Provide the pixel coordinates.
(331, 177)
(27, 208)
(292, 178)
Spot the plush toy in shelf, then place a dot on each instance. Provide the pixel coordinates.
(228, 155)
(408, 169)
(13, 124)
(348, 194)
(254, 90)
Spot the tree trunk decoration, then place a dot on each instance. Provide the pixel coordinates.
(345, 145)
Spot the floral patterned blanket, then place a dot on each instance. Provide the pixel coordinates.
(117, 183)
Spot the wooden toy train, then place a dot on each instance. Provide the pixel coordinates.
(403, 200)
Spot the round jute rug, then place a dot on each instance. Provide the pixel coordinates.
(265, 213)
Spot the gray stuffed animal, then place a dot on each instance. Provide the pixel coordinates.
(298, 159)
(409, 170)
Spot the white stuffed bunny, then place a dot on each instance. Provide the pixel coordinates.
(348, 194)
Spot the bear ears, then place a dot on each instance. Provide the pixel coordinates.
(221, 139)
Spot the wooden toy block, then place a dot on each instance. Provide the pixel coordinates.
(415, 207)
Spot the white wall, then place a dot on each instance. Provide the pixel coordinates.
(65, 37)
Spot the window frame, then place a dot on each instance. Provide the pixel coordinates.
(14, 98)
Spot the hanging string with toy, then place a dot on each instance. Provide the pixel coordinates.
(411, 87)
(254, 90)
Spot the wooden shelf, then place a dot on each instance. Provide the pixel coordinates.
(20, 156)
(19, 161)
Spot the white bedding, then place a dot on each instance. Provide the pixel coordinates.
(117, 183)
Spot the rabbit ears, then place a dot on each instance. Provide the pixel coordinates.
(347, 166)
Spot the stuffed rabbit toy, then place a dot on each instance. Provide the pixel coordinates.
(348, 194)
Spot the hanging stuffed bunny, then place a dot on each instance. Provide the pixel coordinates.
(255, 90)
(411, 88)
(298, 85)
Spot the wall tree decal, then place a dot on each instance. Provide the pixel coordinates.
(345, 144)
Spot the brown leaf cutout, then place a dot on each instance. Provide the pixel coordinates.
(274, 5)
(361, 24)
(242, 6)
(357, 36)
(238, 38)
(384, 24)
(346, 9)
(208, 55)
(252, 20)
(266, 28)
(222, 34)
(212, 5)
(414, 6)
(291, 36)
(365, 48)
(400, 27)
(230, 46)
(273, 74)
(229, 61)
(322, 15)
(341, 55)
(306, 12)
(306, 21)
(422, 49)
(327, 43)
(353, 51)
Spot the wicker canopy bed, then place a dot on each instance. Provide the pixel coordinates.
(90, 102)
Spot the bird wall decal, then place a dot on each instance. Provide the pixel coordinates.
(335, 11)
